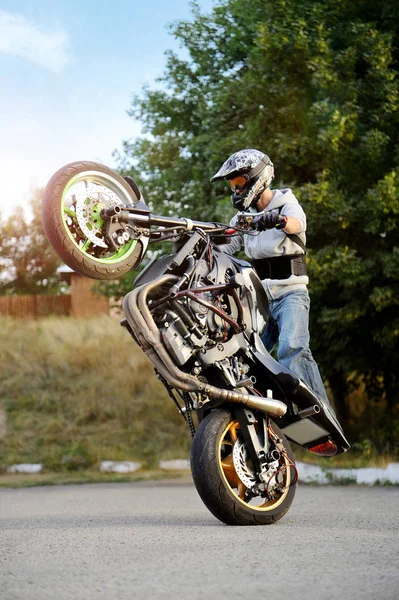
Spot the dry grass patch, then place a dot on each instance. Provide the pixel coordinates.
(76, 392)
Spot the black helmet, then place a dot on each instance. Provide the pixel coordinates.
(254, 171)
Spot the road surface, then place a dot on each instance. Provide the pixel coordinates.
(157, 540)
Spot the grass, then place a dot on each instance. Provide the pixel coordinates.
(78, 392)
(87, 476)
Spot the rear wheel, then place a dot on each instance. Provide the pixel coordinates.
(225, 477)
(71, 214)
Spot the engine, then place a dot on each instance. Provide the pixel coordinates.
(196, 331)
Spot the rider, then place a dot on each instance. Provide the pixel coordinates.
(278, 256)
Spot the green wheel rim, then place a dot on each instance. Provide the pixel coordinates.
(114, 186)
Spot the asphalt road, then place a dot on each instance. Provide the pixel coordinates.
(157, 540)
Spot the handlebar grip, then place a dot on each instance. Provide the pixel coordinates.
(282, 222)
(269, 220)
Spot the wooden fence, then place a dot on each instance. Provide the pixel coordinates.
(34, 307)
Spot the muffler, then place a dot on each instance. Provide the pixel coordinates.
(272, 407)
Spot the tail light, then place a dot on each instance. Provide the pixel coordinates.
(328, 448)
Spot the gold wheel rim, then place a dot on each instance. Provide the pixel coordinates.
(232, 479)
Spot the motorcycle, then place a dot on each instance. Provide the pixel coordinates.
(199, 315)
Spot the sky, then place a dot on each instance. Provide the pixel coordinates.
(68, 71)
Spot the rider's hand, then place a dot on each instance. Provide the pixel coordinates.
(272, 219)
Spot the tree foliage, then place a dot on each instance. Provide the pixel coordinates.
(28, 265)
(315, 85)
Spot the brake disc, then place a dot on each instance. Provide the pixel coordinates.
(88, 208)
(244, 472)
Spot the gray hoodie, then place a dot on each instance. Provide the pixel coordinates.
(274, 242)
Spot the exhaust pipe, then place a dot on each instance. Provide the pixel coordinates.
(272, 407)
(141, 321)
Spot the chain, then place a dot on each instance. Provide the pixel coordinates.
(187, 413)
(189, 416)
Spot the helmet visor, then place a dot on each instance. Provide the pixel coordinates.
(238, 183)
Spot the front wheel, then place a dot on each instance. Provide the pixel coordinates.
(226, 479)
(71, 214)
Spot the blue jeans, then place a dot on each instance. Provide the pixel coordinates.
(289, 326)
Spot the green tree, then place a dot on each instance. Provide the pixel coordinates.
(28, 265)
(315, 85)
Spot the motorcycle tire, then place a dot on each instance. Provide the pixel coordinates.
(76, 231)
(215, 476)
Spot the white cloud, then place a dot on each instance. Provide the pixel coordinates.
(20, 37)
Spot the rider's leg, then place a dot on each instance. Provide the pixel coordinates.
(270, 337)
(291, 313)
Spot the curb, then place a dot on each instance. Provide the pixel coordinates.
(110, 466)
(367, 476)
(307, 473)
(25, 468)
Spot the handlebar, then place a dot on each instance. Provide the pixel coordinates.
(142, 218)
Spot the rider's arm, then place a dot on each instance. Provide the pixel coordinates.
(296, 218)
(293, 225)
(234, 245)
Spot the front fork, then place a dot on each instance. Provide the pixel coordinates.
(255, 430)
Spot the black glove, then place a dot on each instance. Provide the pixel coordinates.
(272, 219)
